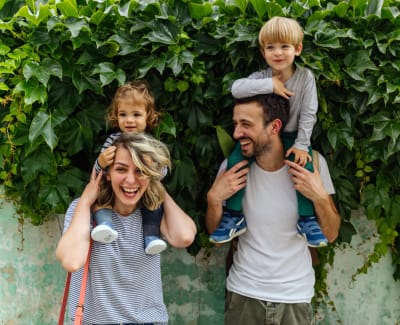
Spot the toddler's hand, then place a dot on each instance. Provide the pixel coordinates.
(279, 88)
(301, 157)
(106, 158)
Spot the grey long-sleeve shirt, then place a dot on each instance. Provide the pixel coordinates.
(303, 104)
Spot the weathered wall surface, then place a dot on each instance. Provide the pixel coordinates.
(32, 281)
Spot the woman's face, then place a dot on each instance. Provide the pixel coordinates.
(127, 182)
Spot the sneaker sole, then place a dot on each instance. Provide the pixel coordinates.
(155, 247)
(104, 234)
(321, 244)
(238, 233)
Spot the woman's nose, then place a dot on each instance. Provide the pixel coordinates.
(131, 178)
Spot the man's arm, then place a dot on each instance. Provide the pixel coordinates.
(310, 185)
(227, 183)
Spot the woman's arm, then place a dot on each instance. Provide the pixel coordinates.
(72, 249)
(176, 226)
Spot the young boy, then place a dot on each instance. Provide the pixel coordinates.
(280, 41)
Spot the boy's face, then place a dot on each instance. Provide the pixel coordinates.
(280, 56)
(132, 116)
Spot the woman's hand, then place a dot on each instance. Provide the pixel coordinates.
(91, 191)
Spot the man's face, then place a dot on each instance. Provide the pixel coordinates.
(249, 130)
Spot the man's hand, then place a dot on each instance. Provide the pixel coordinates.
(106, 158)
(228, 182)
(307, 183)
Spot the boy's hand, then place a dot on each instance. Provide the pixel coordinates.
(301, 157)
(106, 158)
(279, 88)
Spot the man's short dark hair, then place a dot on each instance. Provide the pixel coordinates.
(274, 107)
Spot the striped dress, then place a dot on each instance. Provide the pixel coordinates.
(124, 284)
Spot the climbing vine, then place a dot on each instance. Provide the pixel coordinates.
(61, 61)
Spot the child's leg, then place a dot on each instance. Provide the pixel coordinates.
(103, 231)
(232, 223)
(307, 225)
(151, 220)
(235, 201)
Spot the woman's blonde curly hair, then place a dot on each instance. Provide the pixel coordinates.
(152, 158)
(139, 91)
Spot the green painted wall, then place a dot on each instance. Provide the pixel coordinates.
(31, 280)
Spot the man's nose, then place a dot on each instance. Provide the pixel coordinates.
(237, 132)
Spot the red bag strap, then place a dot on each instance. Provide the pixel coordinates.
(64, 301)
(79, 307)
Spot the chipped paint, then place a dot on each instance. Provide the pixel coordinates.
(32, 281)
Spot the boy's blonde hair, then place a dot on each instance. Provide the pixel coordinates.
(139, 91)
(152, 158)
(281, 30)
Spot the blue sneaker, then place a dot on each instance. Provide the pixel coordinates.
(230, 227)
(309, 229)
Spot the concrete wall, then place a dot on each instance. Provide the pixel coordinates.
(31, 280)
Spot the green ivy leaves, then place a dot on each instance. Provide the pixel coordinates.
(61, 62)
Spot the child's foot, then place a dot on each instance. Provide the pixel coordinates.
(309, 229)
(154, 245)
(230, 227)
(104, 234)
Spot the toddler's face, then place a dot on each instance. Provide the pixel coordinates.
(132, 116)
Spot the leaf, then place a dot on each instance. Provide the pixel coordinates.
(68, 8)
(166, 126)
(42, 12)
(226, 142)
(83, 82)
(43, 72)
(184, 174)
(199, 10)
(43, 124)
(75, 26)
(346, 232)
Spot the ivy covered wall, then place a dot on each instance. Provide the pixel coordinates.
(61, 62)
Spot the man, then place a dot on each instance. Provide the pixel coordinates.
(271, 280)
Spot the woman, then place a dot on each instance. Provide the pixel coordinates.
(124, 284)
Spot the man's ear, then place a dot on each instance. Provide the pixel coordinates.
(276, 125)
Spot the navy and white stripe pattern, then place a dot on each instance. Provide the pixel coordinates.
(124, 284)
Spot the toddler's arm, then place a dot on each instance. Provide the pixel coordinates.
(258, 83)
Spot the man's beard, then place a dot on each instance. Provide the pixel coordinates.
(258, 149)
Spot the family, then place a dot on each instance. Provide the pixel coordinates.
(273, 195)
